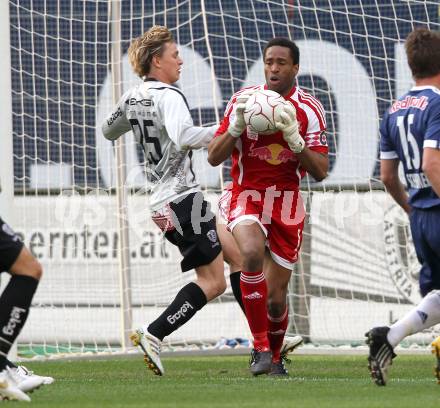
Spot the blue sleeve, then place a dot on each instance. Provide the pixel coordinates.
(387, 148)
(432, 133)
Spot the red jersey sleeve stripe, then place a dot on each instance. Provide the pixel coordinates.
(229, 106)
(312, 100)
(317, 108)
(224, 124)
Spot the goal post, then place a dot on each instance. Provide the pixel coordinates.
(68, 66)
(121, 193)
(7, 161)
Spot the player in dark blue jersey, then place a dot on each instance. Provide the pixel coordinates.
(410, 134)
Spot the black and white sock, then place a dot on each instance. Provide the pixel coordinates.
(236, 290)
(15, 302)
(188, 301)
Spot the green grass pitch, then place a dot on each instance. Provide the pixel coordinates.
(224, 382)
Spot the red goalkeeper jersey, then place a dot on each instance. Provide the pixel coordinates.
(261, 161)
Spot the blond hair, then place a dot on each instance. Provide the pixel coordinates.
(149, 44)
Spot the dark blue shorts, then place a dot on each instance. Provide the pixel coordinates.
(425, 230)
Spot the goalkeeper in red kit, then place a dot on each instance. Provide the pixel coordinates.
(266, 213)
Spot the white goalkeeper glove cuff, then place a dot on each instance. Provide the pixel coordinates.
(288, 124)
(236, 128)
(238, 125)
(296, 144)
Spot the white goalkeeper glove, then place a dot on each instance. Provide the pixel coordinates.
(288, 124)
(238, 125)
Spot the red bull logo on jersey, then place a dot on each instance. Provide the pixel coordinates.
(410, 102)
(273, 154)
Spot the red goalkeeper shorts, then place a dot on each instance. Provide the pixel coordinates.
(280, 215)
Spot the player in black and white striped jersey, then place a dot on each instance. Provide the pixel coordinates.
(158, 114)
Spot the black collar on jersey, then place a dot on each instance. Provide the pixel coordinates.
(172, 87)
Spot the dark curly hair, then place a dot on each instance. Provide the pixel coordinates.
(284, 42)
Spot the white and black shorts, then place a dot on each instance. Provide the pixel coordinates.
(10, 246)
(190, 224)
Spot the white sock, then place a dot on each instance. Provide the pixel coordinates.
(425, 315)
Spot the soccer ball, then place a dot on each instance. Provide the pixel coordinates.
(262, 110)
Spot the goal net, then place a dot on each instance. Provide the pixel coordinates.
(357, 267)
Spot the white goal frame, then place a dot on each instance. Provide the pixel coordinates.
(102, 280)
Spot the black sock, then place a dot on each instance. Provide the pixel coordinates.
(185, 305)
(4, 362)
(10, 364)
(235, 285)
(15, 302)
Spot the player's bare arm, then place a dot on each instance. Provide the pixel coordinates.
(431, 167)
(315, 163)
(389, 174)
(220, 148)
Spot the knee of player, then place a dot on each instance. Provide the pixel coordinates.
(252, 259)
(27, 265)
(34, 269)
(219, 286)
(276, 307)
(235, 267)
(233, 259)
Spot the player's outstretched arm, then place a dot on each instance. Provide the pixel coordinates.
(116, 123)
(179, 124)
(431, 167)
(389, 174)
